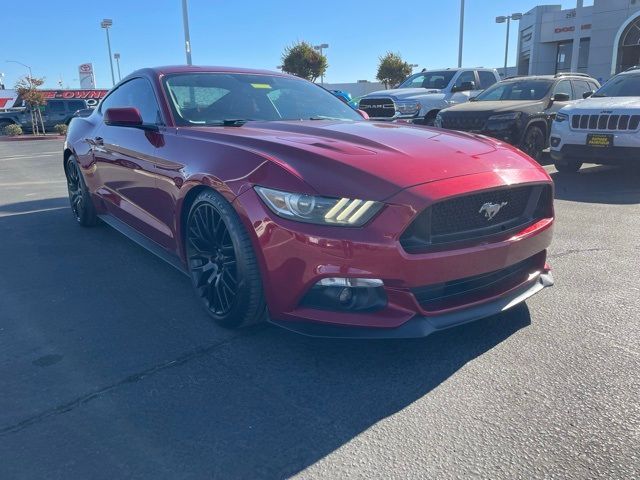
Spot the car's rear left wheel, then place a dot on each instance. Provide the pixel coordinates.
(222, 264)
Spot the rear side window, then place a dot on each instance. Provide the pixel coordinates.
(486, 79)
(55, 107)
(74, 105)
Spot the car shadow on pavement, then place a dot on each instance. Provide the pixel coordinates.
(104, 346)
(599, 184)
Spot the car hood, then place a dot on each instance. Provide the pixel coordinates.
(371, 160)
(404, 93)
(495, 106)
(604, 103)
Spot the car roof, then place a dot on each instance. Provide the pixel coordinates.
(168, 69)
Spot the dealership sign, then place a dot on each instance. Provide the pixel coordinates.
(85, 74)
(9, 98)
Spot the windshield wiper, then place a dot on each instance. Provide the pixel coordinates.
(234, 122)
(324, 117)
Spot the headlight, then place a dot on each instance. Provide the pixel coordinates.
(561, 117)
(345, 212)
(438, 121)
(505, 117)
(408, 107)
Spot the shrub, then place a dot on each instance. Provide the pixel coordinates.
(60, 128)
(13, 130)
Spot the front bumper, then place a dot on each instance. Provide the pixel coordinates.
(294, 256)
(420, 325)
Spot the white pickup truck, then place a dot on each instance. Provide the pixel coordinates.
(421, 96)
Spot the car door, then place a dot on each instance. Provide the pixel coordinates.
(125, 159)
(463, 96)
(54, 113)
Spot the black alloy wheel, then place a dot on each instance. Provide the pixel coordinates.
(533, 143)
(79, 198)
(222, 263)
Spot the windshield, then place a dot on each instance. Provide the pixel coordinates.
(437, 80)
(216, 98)
(620, 86)
(516, 90)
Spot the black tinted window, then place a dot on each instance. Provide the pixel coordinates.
(516, 90)
(580, 87)
(135, 93)
(564, 86)
(74, 105)
(55, 107)
(486, 79)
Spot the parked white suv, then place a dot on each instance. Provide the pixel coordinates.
(602, 129)
(421, 96)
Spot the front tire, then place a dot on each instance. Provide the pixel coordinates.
(222, 263)
(533, 142)
(79, 197)
(568, 166)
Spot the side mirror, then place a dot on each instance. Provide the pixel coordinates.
(560, 97)
(464, 87)
(363, 114)
(84, 112)
(588, 94)
(123, 117)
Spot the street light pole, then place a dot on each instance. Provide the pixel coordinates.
(187, 38)
(24, 65)
(461, 33)
(106, 23)
(117, 58)
(320, 48)
(503, 19)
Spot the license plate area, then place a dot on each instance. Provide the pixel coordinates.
(600, 140)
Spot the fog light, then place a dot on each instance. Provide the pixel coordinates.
(555, 141)
(346, 294)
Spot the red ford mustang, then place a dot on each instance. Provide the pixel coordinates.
(282, 203)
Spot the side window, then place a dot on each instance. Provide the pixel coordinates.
(55, 107)
(135, 93)
(466, 76)
(580, 87)
(75, 105)
(564, 86)
(486, 79)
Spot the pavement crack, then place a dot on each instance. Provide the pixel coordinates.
(133, 378)
(578, 250)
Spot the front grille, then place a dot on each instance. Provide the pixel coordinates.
(466, 290)
(453, 121)
(478, 216)
(605, 122)
(378, 107)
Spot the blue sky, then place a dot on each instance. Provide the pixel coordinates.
(251, 34)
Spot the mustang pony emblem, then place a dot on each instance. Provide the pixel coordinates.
(490, 210)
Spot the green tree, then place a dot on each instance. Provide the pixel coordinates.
(392, 69)
(27, 88)
(302, 60)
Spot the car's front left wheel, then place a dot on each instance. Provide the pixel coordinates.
(222, 263)
(533, 142)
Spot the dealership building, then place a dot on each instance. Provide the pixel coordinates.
(600, 39)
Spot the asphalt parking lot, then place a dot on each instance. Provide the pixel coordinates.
(109, 369)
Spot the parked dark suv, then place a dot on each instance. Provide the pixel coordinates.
(55, 111)
(519, 110)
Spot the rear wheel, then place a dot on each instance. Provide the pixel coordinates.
(79, 197)
(568, 166)
(222, 264)
(533, 142)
